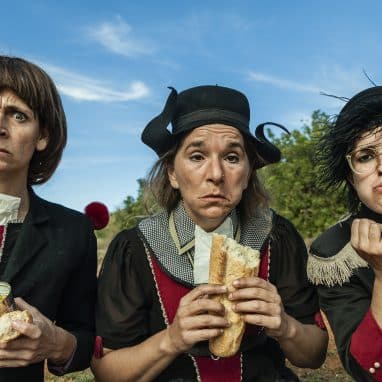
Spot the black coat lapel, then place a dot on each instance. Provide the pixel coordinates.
(31, 239)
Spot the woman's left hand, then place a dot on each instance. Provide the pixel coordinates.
(260, 304)
(40, 340)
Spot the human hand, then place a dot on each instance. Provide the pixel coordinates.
(40, 340)
(367, 241)
(259, 303)
(197, 318)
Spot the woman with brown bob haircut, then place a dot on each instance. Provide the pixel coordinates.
(153, 320)
(47, 251)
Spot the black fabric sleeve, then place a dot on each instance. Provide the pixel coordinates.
(288, 261)
(76, 310)
(345, 306)
(122, 311)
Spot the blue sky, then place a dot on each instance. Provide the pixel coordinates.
(112, 62)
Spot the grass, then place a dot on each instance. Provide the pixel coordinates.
(82, 376)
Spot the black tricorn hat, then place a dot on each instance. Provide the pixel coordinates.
(203, 105)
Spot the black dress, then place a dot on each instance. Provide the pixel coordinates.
(129, 310)
(345, 284)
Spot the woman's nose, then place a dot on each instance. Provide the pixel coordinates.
(216, 171)
(3, 127)
(379, 163)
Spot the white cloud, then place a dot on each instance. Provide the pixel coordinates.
(334, 80)
(117, 38)
(283, 83)
(84, 88)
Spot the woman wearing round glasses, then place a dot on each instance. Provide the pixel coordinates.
(346, 260)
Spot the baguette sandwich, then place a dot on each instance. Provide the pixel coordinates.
(7, 332)
(230, 261)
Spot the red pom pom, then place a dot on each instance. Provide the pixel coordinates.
(98, 214)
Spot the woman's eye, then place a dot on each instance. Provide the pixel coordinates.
(232, 158)
(365, 156)
(196, 157)
(19, 116)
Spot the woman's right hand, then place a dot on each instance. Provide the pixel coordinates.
(366, 239)
(197, 319)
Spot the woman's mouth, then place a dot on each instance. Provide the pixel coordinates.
(213, 197)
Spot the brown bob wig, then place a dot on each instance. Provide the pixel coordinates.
(37, 90)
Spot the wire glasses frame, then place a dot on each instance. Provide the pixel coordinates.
(367, 162)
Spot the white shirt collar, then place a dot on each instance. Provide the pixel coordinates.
(9, 208)
(202, 249)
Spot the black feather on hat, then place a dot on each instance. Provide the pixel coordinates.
(203, 105)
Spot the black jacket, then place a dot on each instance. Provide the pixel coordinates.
(346, 299)
(53, 267)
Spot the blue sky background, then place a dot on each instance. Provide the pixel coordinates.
(113, 60)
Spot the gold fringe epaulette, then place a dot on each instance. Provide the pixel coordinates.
(334, 270)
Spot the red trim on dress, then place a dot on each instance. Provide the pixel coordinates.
(209, 370)
(98, 347)
(264, 264)
(170, 292)
(366, 346)
(2, 237)
(264, 274)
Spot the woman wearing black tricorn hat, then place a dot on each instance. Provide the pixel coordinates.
(346, 260)
(151, 318)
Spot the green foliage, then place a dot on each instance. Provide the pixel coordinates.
(81, 376)
(293, 183)
(133, 209)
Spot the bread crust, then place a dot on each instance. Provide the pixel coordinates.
(7, 332)
(224, 269)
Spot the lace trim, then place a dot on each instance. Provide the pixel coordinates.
(335, 270)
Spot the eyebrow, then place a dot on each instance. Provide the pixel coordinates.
(368, 146)
(13, 105)
(201, 144)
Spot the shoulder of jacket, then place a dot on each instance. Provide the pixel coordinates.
(332, 260)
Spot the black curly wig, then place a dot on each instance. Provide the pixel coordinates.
(361, 114)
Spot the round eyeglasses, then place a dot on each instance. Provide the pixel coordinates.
(364, 161)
